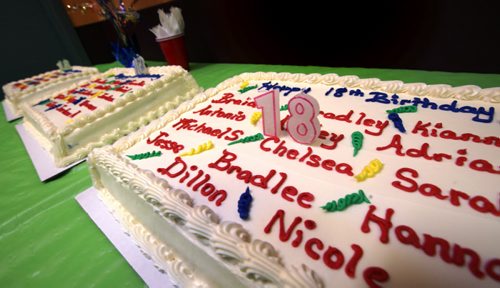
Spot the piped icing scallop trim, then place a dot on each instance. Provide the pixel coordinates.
(230, 247)
(254, 260)
(13, 94)
(164, 258)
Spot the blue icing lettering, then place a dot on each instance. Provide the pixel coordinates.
(269, 86)
(482, 114)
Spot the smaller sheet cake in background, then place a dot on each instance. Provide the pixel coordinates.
(71, 122)
(41, 85)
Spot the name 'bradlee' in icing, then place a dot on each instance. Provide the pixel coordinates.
(88, 97)
(433, 218)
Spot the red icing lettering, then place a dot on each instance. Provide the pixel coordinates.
(350, 268)
(219, 113)
(309, 248)
(123, 89)
(493, 272)
(452, 254)
(288, 193)
(330, 137)
(179, 167)
(165, 144)
(203, 128)
(384, 224)
(407, 236)
(136, 83)
(425, 130)
(87, 105)
(478, 203)
(284, 235)
(106, 97)
(309, 158)
(480, 165)
(372, 275)
(333, 258)
(314, 248)
(67, 111)
(228, 98)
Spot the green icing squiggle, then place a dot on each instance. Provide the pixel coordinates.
(247, 139)
(141, 156)
(346, 201)
(403, 109)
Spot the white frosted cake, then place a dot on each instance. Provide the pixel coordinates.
(96, 112)
(399, 186)
(39, 86)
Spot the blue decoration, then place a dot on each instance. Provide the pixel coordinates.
(398, 122)
(123, 76)
(124, 55)
(244, 204)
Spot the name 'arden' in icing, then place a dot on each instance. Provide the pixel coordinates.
(400, 187)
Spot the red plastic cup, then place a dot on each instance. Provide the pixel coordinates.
(174, 50)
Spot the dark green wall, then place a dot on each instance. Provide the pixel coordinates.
(35, 34)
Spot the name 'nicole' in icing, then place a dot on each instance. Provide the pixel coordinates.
(316, 249)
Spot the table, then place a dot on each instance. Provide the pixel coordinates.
(47, 240)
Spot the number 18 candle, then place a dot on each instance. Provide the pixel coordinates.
(303, 125)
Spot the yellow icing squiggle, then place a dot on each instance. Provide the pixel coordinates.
(370, 170)
(201, 148)
(244, 84)
(255, 117)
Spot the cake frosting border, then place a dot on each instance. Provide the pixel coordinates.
(55, 135)
(119, 166)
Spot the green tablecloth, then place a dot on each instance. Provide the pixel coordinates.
(47, 240)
